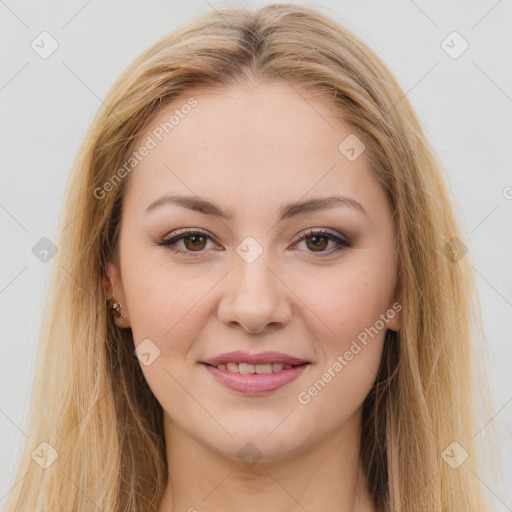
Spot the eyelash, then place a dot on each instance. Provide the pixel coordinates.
(342, 243)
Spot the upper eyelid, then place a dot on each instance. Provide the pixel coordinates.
(341, 240)
(305, 232)
(326, 231)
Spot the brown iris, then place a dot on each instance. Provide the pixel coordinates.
(198, 242)
(315, 239)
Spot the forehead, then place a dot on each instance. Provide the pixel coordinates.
(268, 141)
(260, 118)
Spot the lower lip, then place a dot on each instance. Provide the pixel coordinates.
(255, 383)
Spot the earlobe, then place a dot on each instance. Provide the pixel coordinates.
(394, 315)
(116, 300)
(394, 325)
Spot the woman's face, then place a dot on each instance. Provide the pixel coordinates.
(250, 170)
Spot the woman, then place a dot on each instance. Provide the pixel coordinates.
(261, 300)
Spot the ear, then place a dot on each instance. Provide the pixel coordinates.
(395, 309)
(394, 313)
(115, 290)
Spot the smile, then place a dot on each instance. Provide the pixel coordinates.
(255, 379)
(260, 369)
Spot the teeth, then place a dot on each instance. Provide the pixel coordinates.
(262, 368)
(245, 368)
(248, 369)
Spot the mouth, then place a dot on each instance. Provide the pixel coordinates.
(255, 374)
(251, 369)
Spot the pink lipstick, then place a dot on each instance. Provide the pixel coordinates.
(255, 373)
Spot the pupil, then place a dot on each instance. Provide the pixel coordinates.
(319, 242)
(315, 240)
(196, 239)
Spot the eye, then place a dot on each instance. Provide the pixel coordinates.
(318, 240)
(196, 241)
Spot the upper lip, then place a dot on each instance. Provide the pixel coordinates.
(261, 358)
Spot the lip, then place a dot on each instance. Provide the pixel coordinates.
(261, 358)
(254, 383)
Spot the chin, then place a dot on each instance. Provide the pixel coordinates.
(260, 443)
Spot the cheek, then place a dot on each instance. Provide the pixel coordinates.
(166, 303)
(346, 301)
(349, 336)
(337, 390)
(349, 345)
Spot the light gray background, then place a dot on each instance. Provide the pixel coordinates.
(46, 106)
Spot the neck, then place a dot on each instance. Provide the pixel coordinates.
(324, 476)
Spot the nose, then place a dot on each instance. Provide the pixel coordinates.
(255, 298)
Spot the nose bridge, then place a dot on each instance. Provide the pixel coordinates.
(255, 297)
(254, 277)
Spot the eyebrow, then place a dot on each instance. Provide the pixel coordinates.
(200, 205)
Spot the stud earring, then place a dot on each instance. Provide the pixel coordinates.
(115, 308)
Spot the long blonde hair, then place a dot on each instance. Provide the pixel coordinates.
(90, 401)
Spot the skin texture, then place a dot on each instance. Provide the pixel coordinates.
(250, 150)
